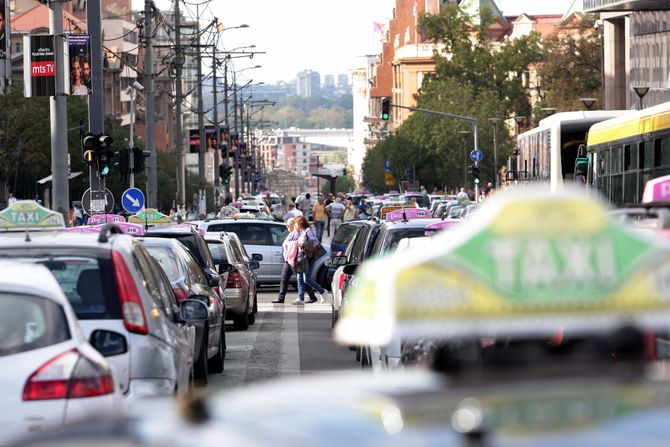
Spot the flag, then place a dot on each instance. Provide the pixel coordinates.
(379, 27)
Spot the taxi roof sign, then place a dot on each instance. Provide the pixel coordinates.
(657, 190)
(30, 215)
(149, 216)
(525, 264)
(408, 214)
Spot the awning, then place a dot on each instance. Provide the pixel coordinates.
(48, 178)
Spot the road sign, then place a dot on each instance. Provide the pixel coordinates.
(477, 155)
(97, 202)
(132, 200)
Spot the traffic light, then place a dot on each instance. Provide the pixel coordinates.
(123, 163)
(104, 152)
(138, 159)
(225, 173)
(386, 109)
(474, 173)
(89, 144)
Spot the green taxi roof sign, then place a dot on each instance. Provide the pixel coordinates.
(149, 216)
(30, 215)
(527, 263)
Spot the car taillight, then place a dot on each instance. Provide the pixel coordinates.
(67, 376)
(234, 281)
(131, 303)
(180, 293)
(340, 282)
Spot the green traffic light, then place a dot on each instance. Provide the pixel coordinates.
(104, 171)
(476, 181)
(385, 116)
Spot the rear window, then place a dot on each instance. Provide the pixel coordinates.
(345, 233)
(87, 281)
(390, 242)
(218, 252)
(249, 233)
(166, 259)
(28, 322)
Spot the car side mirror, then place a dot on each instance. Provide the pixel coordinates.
(328, 263)
(224, 267)
(213, 279)
(340, 261)
(193, 310)
(254, 265)
(108, 343)
(257, 257)
(350, 269)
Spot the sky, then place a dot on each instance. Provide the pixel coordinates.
(327, 36)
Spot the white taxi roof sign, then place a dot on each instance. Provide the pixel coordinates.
(30, 215)
(149, 216)
(527, 263)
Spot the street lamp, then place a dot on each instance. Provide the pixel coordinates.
(131, 91)
(495, 122)
(641, 92)
(548, 111)
(464, 134)
(235, 108)
(588, 102)
(519, 119)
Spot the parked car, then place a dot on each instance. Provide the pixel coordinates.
(114, 285)
(49, 373)
(263, 237)
(187, 279)
(240, 293)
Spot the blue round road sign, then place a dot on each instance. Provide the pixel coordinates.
(132, 200)
(477, 155)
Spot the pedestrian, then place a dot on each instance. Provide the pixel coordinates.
(319, 214)
(364, 209)
(76, 216)
(350, 211)
(335, 212)
(11, 200)
(229, 199)
(288, 255)
(292, 212)
(306, 207)
(462, 195)
(330, 199)
(308, 242)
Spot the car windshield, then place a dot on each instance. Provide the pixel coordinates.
(87, 281)
(28, 322)
(345, 233)
(390, 242)
(166, 258)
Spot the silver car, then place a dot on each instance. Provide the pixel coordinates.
(115, 286)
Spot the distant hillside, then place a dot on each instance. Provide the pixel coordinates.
(312, 112)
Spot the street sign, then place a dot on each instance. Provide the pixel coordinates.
(97, 202)
(477, 155)
(132, 200)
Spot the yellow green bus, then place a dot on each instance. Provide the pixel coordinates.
(628, 151)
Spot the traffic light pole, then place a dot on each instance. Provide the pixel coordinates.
(226, 118)
(149, 115)
(58, 108)
(96, 113)
(131, 142)
(202, 207)
(217, 130)
(179, 137)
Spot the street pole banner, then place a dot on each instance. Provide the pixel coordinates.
(79, 64)
(194, 141)
(39, 68)
(4, 31)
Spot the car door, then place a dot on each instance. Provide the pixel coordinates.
(276, 234)
(236, 258)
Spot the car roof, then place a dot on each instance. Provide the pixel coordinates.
(32, 279)
(220, 221)
(414, 223)
(185, 228)
(62, 239)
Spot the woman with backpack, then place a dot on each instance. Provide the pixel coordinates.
(309, 244)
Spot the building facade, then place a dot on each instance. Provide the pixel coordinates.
(308, 83)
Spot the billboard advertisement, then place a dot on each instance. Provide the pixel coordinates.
(79, 64)
(39, 68)
(4, 30)
(210, 139)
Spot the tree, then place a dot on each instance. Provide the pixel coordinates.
(572, 65)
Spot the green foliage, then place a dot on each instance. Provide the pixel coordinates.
(313, 112)
(342, 184)
(572, 68)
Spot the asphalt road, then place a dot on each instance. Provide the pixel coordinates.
(286, 340)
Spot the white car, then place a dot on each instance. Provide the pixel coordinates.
(49, 373)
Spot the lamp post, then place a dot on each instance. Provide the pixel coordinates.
(641, 92)
(131, 91)
(464, 134)
(235, 108)
(495, 122)
(519, 119)
(588, 102)
(548, 111)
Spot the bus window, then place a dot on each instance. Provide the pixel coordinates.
(603, 162)
(617, 160)
(617, 189)
(630, 188)
(663, 159)
(646, 149)
(629, 157)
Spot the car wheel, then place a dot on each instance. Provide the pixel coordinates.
(333, 316)
(215, 364)
(241, 323)
(200, 366)
(251, 317)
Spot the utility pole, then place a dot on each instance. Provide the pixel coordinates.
(237, 149)
(217, 146)
(179, 143)
(149, 114)
(96, 110)
(201, 124)
(6, 61)
(226, 117)
(58, 107)
(131, 142)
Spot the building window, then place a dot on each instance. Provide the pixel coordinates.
(18, 47)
